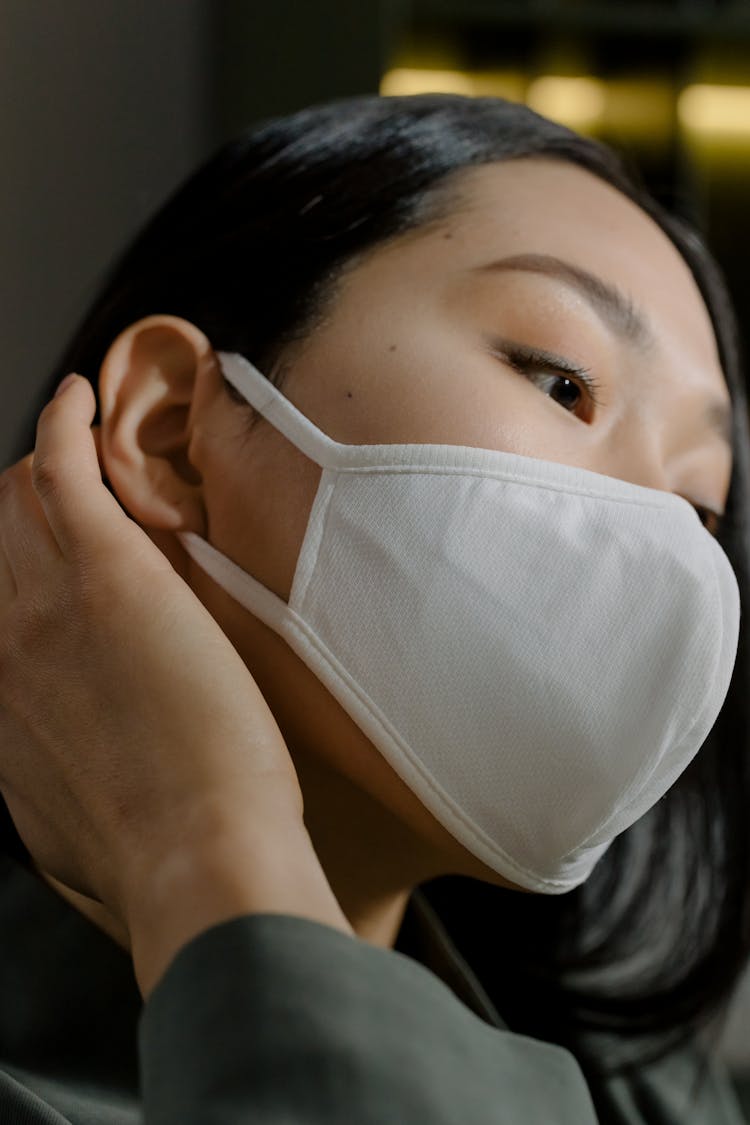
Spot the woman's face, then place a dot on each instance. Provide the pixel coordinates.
(482, 330)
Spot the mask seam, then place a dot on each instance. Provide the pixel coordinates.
(298, 593)
(550, 487)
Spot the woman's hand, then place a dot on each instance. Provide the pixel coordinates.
(138, 758)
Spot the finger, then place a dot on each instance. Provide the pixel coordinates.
(28, 545)
(66, 474)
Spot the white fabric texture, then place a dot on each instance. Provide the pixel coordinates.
(537, 650)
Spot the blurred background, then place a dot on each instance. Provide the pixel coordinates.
(106, 105)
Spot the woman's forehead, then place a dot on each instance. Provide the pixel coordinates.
(537, 207)
(552, 206)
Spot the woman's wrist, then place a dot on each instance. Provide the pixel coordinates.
(199, 884)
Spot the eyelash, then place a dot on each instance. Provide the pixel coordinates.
(528, 360)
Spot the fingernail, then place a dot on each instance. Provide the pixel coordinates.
(65, 383)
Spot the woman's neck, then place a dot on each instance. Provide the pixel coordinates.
(371, 859)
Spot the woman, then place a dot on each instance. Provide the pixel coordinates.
(404, 614)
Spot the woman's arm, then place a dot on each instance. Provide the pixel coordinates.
(143, 768)
(271, 868)
(138, 759)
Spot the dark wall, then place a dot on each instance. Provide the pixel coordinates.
(106, 105)
(103, 105)
(276, 57)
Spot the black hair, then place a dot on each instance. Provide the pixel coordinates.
(248, 249)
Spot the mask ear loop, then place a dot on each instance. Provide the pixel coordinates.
(302, 433)
(283, 415)
(243, 587)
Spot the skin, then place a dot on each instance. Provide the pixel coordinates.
(407, 353)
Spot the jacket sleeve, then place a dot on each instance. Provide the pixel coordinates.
(278, 1020)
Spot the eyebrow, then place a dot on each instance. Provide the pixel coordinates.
(613, 306)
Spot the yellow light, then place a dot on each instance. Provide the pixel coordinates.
(412, 80)
(715, 110)
(576, 102)
(499, 84)
(640, 107)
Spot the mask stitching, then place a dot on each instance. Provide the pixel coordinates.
(436, 470)
(298, 591)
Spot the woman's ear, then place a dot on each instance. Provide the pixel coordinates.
(148, 385)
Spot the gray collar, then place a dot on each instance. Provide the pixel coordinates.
(424, 937)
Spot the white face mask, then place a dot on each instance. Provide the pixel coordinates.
(537, 650)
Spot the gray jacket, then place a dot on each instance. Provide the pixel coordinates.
(276, 1020)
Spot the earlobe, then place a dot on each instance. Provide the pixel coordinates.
(148, 389)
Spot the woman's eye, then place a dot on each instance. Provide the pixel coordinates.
(561, 389)
(569, 386)
(572, 388)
